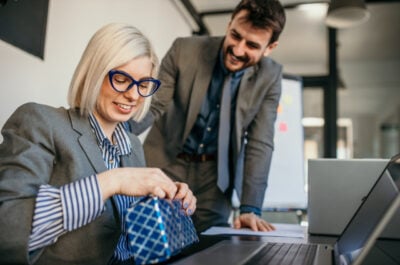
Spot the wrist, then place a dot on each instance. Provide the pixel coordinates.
(107, 184)
(250, 209)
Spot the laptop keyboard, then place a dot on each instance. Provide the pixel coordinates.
(284, 253)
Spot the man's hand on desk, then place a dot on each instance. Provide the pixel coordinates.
(253, 222)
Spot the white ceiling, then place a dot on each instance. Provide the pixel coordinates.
(368, 54)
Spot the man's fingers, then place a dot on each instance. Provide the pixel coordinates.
(253, 222)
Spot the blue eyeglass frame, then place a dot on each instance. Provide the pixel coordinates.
(111, 73)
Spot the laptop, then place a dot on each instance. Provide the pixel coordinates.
(351, 248)
(341, 184)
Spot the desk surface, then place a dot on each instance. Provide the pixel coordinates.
(390, 246)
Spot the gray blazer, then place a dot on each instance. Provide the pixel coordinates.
(44, 145)
(185, 74)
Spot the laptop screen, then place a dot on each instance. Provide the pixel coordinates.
(378, 203)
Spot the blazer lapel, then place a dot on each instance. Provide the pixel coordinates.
(242, 103)
(87, 140)
(132, 160)
(201, 82)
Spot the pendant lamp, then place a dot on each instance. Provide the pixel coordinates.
(346, 13)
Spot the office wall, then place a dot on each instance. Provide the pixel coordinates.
(70, 25)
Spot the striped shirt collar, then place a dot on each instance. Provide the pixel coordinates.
(120, 136)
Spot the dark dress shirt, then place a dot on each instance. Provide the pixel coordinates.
(203, 138)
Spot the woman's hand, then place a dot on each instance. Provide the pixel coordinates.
(133, 181)
(186, 196)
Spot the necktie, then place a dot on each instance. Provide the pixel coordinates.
(224, 135)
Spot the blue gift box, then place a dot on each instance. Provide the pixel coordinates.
(158, 229)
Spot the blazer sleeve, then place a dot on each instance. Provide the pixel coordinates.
(168, 76)
(163, 97)
(26, 160)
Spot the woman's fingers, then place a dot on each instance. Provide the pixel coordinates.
(183, 189)
(186, 196)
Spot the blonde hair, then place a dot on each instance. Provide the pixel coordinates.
(111, 46)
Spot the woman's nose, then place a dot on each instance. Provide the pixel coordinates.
(132, 93)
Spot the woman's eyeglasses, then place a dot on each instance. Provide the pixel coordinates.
(122, 82)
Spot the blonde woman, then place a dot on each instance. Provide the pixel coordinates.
(67, 175)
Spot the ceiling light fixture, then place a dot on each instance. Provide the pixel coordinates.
(346, 13)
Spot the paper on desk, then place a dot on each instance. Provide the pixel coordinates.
(282, 230)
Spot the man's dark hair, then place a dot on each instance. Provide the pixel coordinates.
(264, 14)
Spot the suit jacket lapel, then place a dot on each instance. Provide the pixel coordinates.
(133, 159)
(87, 140)
(201, 82)
(242, 103)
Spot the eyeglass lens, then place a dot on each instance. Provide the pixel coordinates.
(122, 83)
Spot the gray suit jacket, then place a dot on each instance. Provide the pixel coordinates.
(185, 74)
(44, 145)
